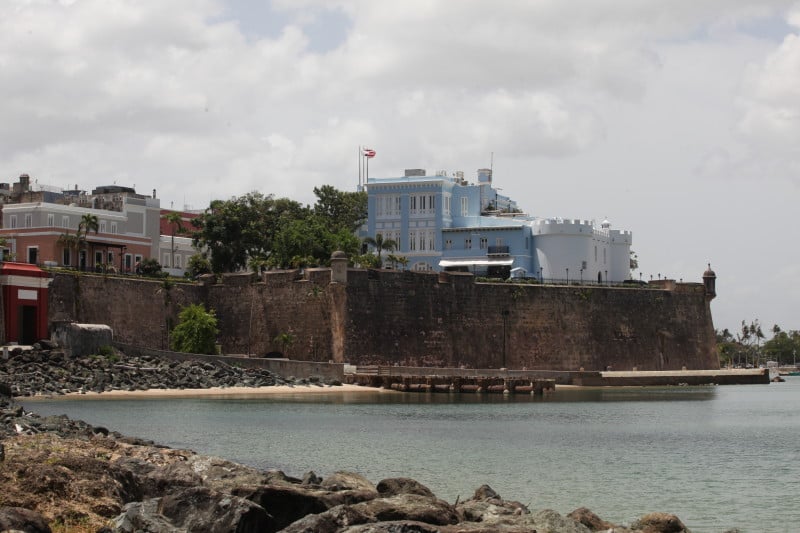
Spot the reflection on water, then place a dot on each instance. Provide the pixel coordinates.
(718, 457)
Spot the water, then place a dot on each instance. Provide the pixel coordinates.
(718, 457)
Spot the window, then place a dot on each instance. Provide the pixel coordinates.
(13, 221)
(177, 261)
(448, 244)
(67, 257)
(102, 226)
(595, 253)
(422, 240)
(604, 256)
(65, 221)
(412, 240)
(128, 262)
(28, 220)
(113, 227)
(412, 204)
(110, 258)
(165, 260)
(498, 241)
(447, 205)
(98, 259)
(464, 206)
(431, 240)
(51, 220)
(484, 243)
(468, 244)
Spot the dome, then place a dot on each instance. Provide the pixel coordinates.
(709, 273)
(605, 224)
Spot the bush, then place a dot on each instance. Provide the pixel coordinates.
(196, 331)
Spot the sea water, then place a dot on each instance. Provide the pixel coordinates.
(718, 457)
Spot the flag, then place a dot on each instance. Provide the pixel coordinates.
(369, 153)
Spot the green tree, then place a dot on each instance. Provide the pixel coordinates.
(783, 347)
(151, 267)
(285, 340)
(196, 265)
(87, 223)
(70, 242)
(196, 331)
(380, 244)
(339, 210)
(235, 231)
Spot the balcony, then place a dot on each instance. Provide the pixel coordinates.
(497, 251)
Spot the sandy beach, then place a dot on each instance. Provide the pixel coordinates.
(222, 392)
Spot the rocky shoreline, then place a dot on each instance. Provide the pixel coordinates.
(66, 475)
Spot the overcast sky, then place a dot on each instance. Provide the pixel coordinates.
(678, 120)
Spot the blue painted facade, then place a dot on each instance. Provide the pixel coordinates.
(444, 222)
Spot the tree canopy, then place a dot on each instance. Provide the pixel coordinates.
(261, 230)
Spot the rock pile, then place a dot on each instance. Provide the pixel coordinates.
(70, 475)
(51, 371)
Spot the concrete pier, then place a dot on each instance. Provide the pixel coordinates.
(426, 379)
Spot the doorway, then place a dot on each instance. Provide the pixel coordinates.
(27, 324)
(33, 255)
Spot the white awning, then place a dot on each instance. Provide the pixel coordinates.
(444, 263)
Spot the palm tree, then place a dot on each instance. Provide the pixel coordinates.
(285, 340)
(88, 223)
(68, 241)
(380, 244)
(175, 221)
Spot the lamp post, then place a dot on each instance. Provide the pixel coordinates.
(606, 277)
(581, 275)
(567, 269)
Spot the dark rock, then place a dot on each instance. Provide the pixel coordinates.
(311, 479)
(659, 523)
(330, 521)
(590, 520)
(199, 509)
(401, 526)
(19, 519)
(410, 507)
(484, 492)
(402, 485)
(142, 516)
(286, 504)
(277, 477)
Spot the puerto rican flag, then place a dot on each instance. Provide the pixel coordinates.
(369, 153)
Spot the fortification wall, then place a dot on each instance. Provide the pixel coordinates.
(415, 320)
(412, 319)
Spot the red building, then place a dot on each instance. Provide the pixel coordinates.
(24, 288)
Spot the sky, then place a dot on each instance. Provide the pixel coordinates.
(678, 121)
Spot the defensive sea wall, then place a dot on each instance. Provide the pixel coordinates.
(413, 319)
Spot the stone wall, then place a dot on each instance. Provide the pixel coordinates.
(413, 319)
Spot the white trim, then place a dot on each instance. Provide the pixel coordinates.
(475, 262)
(25, 281)
(27, 294)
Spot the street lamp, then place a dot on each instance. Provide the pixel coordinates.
(567, 275)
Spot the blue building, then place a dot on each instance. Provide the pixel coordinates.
(444, 222)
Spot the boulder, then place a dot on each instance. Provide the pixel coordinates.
(590, 520)
(410, 507)
(331, 521)
(289, 503)
(346, 481)
(548, 520)
(400, 526)
(402, 485)
(659, 523)
(200, 509)
(223, 475)
(19, 519)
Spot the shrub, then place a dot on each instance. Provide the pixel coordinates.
(196, 331)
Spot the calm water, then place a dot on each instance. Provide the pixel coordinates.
(718, 457)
